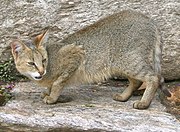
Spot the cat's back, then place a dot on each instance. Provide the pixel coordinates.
(121, 30)
(105, 26)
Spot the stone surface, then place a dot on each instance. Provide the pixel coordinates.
(88, 108)
(20, 18)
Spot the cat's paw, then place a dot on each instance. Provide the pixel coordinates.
(119, 97)
(43, 95)
(140, 105)
(49, 100)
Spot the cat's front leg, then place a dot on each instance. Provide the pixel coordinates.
(54, 94)
(55, 90)
(46, 93)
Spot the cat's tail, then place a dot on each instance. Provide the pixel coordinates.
(157, 63)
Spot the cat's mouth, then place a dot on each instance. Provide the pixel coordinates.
(38, 78)
(35, 75)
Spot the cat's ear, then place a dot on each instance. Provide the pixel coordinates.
(16, 47)
(41, 39)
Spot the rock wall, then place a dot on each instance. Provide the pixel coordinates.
(29, 17)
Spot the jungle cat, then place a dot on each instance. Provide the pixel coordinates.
(127, 43)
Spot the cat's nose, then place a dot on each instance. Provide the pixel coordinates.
(41, 71)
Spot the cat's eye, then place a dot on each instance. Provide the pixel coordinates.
(44, 60)
(31, 63)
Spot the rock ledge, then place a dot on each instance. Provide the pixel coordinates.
(89, 108)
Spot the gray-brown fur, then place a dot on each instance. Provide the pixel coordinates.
(123, 43)
(127, 43)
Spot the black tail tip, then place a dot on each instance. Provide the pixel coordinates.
(166, 92)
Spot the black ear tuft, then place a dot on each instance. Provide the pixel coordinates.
(41, 39)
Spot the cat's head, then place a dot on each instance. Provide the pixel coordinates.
(30, 56)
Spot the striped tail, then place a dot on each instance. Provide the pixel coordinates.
(157, 63)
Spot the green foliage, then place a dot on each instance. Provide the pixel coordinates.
(6, 71)
(8, 75)
(5, 92)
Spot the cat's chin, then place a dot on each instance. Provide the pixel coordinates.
(35, 76)
(38, 78)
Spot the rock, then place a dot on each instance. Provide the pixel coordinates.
(23, 18)
(90, 108)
